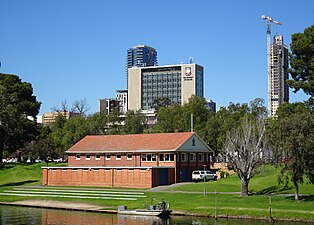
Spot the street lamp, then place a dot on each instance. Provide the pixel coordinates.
(204, 178)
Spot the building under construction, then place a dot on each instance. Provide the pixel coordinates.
(278, 90)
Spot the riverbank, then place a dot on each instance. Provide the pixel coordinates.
(88, 207)
(22, 182)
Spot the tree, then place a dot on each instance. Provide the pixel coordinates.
(114, 122)
(80, 107)
(220, 123)
(177, 118)
(98, 123)
(302, 61)
(17, 102)
(169, 119)
(246, 149)
(43, 147)
(292, 134)
(195, 107)
(134, 122)
(67, 134)
(161, 102)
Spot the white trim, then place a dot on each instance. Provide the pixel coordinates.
(78, 158)
(106, 167)
(126, 151)
(194, 157)
(117, 156)
(128, 158)
(106, 156)
(186, 158)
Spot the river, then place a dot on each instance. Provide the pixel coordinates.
(14, 215)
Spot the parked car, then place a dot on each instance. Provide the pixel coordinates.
(198, 175)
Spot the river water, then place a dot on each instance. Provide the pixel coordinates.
(13, 215)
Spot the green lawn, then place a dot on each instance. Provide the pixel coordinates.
(264, 182)
(14, 174)
(256, 205)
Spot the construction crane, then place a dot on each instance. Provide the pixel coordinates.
(269, 20)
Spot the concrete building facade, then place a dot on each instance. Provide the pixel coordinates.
(278, 90)
(50, 117)
(107, 105)
(135, 161)
(122, 98)
(141, 56)
(175, 82)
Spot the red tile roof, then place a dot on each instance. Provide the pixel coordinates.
(131, 142)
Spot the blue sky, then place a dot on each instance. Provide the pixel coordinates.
(76, 49)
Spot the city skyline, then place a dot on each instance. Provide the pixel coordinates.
(77, 50)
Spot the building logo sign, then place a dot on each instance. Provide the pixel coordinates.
(188, 74)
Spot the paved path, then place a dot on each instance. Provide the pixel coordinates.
(166, 188)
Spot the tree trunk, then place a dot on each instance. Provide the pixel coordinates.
(296, 195)
(244, 187)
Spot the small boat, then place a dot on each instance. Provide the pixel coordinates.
(159, 209)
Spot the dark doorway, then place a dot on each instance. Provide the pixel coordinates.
(163, 176)
(184, 174)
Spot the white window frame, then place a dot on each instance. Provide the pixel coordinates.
(97, 158)
(162, 157)
(108, 158)
(78, 156)
(127, 156)
(192, 157)
(145, 156)
(120, 156)
(184, 157)
(87, 157)
(200, 157)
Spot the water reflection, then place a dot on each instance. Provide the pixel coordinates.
(23, 215)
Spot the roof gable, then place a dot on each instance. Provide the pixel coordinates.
(194, 144)
(130, 142)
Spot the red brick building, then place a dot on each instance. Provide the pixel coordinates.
(135, 160)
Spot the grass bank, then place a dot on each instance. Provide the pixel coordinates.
(264, 182)
(256, 205)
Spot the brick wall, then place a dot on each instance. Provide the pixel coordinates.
(131, 178)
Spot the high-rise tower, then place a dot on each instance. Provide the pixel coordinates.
(141, 56)
(278, 90)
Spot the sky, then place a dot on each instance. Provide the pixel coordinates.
(76, 49)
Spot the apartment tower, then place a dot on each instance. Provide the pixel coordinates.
(141, 56)
(278, 90)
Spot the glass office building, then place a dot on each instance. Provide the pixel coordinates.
(176, 83)
(141, 56)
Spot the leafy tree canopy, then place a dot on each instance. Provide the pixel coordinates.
(302, 61)
(292, 135)
(17, 102)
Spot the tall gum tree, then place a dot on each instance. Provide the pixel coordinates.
(246, 149)
(17, 102)
(245, 141)
(292, 139)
